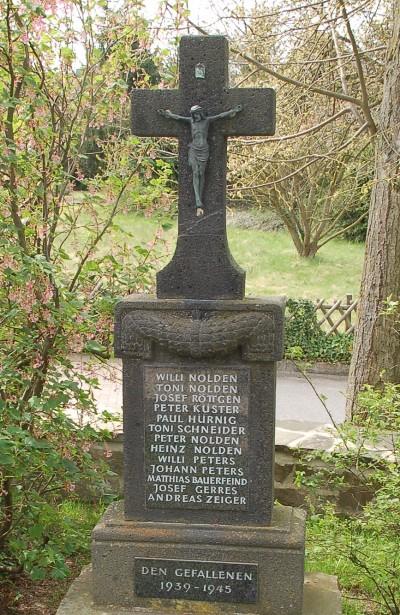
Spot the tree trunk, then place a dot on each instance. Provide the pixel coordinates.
(309, 249)
(376, 353)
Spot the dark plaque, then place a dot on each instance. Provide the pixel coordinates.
(196, 437)
(193, 580)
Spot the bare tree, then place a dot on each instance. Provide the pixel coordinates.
(320, 163)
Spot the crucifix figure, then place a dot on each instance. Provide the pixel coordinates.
(199, 149)
(202, 266)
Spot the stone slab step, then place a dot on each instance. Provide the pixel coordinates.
(321, 597)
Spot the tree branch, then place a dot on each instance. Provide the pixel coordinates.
(15, 87)
(343, 79)
(280, 77)
(7, 521)
(364, 94)
(343, 230)
(100, 235)
(313, 159)
(344, 56)
(307, 131)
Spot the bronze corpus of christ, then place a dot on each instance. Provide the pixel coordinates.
(199, 149)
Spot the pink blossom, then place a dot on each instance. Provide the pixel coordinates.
(42, 231)
(76, 342)
(38, 361)
(38, 25)
(51, 330)
(8, 262)
(47, 293)
(25, 298)
(50, 5)
(46, 315)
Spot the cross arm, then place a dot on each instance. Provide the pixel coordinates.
(145, 119)
(257, 116)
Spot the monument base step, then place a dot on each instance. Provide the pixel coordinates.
(208, 569)
(321, 597)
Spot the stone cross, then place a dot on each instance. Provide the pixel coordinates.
(202, 266)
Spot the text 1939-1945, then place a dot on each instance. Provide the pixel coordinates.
(195, 580)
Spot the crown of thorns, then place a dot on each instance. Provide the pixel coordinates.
(195, 108)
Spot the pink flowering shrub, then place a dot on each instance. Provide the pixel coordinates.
(62, 73)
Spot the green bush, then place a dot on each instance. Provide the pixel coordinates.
(44, 453)
(364, 550)
(60, 273)
(358, 232)
(304, 338)
(44, 456)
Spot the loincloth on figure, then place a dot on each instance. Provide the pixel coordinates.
(198, 156)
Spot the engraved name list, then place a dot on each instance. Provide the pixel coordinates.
(196, 437)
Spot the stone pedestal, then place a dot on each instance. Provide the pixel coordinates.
(213, 569)
(199, 408)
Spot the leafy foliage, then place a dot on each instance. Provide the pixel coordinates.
(368, 544)
(58, 279)
(358, 232)
(306, 340)
(44, 454)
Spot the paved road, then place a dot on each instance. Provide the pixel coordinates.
(297, 401)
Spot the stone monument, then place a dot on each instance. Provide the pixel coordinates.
(198, 531)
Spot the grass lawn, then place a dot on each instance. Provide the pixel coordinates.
(269, 258)
(274, 268)
(271, 262)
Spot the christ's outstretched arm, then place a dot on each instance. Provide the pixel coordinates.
(167, 113)
(231, 113)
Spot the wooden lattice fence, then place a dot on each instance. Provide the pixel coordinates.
(339, 316)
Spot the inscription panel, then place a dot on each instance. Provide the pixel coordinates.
(195, 580)
(196, 437)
